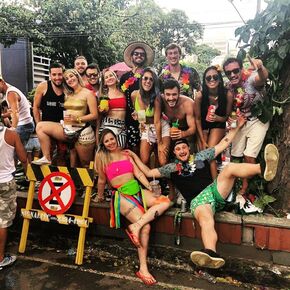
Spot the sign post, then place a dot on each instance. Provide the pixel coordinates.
(56, 195)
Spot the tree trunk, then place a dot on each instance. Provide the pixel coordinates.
(280, 187)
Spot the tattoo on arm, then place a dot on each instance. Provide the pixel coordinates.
(226, 139)
(156, 214)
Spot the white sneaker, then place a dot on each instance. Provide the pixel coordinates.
(250, 208)
(8, 260)
(41, 161)
(271, 156)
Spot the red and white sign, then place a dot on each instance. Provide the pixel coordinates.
(56, 193)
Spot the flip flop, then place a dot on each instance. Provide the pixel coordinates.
(134, 239)
(147, 280)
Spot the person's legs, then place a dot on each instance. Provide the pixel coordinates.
(145, 151)
(226, 178)
(85, 153)
(163, 155)
(7, 213)
(45, 131)
(245, 183)
(215, 136)
(3, 237)
(134, 214)
(205, 217)
(203, 208)
(156, 207)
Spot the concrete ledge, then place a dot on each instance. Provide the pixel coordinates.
(237, 234)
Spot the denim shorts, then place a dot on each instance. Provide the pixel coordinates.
(32, 145)
(25, 131)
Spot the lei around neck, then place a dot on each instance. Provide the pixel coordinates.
(131, 81)
(184, 78)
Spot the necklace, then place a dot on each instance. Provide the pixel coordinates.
(131, 81)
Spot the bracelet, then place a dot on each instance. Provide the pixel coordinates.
(79, 120)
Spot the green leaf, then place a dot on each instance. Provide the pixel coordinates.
(282, 51)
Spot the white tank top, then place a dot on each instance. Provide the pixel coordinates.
(24, 106)
(7, 164)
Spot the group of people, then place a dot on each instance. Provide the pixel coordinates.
(171, 114)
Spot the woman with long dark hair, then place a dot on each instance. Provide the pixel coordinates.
(112, 115)
(212, 108)
(144, 100)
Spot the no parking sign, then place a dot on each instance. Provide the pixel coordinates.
(56, 193)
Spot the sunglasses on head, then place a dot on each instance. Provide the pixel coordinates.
(234, 71)
(147, 79)
(136, 53)
(213, 77)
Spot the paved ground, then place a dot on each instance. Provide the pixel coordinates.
(48, 263)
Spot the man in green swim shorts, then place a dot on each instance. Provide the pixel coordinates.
(193, 179)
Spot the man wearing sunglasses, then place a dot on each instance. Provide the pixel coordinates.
(187, 77)
(246, 87)
(137, 55)
(92, 73)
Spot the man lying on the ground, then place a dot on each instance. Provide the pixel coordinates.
(190, 176)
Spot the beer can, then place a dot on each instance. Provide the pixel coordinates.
(183, 206)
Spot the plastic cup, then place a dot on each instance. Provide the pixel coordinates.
(66, 118)
(156, 188)
(141, 116)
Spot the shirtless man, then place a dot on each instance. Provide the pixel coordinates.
(177, 110)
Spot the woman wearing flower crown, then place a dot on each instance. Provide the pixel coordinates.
(212, 108)
(144, 101)
(114, 111)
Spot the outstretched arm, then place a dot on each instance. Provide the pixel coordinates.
(226, 141)
(146, 170)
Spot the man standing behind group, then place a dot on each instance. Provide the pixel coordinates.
(93, 73)
(137, 55)
(187, 77)
(48, 101)
(80, 64)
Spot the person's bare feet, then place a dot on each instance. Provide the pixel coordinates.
(146, 277)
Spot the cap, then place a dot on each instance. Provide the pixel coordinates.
(180, 141)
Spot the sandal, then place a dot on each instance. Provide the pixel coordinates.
(98, 199)
(147, 280)
(134, 239)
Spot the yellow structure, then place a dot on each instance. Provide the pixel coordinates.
(80, 176)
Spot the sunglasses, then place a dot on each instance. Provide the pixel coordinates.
(92, 76)
(136, 53)
(213, 77)
(147, 79)
(234, 71)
